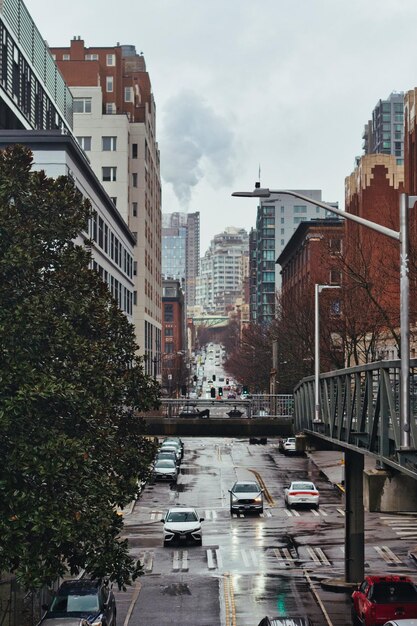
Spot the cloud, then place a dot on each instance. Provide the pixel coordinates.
(196, 143)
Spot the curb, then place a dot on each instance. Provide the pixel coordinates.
(338, 585)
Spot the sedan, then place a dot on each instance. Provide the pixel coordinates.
(182, 524)
(285, 621)
(79, 600)
(165, 469)
(246, 496)
(302, 492)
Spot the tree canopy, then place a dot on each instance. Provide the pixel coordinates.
(71, 446)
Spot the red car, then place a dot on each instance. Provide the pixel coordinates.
(381, 598)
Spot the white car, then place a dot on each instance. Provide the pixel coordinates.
(171, 447)
(182, 524)
(302, 492)
(402, 622)
(289, 445)
(246, 496)
(165, 469)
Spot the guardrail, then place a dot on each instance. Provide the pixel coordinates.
(360, 409)
(258, 405)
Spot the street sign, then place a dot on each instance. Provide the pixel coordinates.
(169, 376)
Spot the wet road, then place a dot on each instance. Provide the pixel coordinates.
(248, 566)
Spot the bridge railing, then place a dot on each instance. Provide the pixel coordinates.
(258, 405)
(360, 407)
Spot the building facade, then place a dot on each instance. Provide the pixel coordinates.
(384, 133)
(181, 250)
(277, 219)
(33, 93)
(173, 325)
(112, 242)
(222, 271)
(115, 123)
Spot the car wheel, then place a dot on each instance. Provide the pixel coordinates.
(261, 511)
(199, 542)
(166, 543)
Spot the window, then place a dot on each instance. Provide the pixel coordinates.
(335, 245)
(85, 143)
(91, 57)
(169, 313)
(66, 57)
(82, 105)
(110, 60)
(109, 173)
(134, 180)
(110, 108)
(300, 209)
(109, 144)
(335, 277)
(134, 150)
(109, 84)
(169, 332)
(114, 200)
(128, 94)
(134, 209)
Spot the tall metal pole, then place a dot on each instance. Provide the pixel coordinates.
(316, 355)
(405, 326)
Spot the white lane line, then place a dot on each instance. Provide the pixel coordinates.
(316, 513)
(313, 555)
(254, 557)
(176, 561)
(210, 559)
(393, 556)
(288, 512)
(214, 515)
(408, 533)
(323, 513)
(341, 511)
(219, 558)
(296, 513)
(342, 549)
(184, 563)
(322, 556)
(244, 558)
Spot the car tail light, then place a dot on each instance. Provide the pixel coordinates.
(303, 493)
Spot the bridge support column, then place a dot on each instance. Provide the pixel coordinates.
(354, 520)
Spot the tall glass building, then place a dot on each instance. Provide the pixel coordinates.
(384, 134)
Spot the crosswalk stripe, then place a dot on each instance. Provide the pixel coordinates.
(387, 554)
(313, 555)
(323, 513)
(341, 511)
(219, 558)
(322, 556)
(244, 558)
(210, 559)
(288, 512)
(316, 513)
(254, 557)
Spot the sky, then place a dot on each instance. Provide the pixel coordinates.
(280, 86)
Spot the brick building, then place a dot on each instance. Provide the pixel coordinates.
(115, 124)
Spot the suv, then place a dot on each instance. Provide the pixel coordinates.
(246, 496)
(79, 600)
(289, 445)
(381, 598)
(182, 524)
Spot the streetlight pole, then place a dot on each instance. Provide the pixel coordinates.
(317, 405)
(406, 203)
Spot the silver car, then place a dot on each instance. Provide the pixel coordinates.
(246, 496)
(165, 469)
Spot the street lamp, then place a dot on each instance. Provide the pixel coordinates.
(317, 290)
(406, 202)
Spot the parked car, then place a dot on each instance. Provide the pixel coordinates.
(285, 621)
(175, 440)
(401, 622)
(182, 524)
(289, 445)
(381, 598)
(171, 446)
(79, 600)
(165, 469)
(246, 496)
(168, 454)
(302, 492)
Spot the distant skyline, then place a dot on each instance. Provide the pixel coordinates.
(287, 86)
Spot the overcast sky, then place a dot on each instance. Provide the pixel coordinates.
(287, 85)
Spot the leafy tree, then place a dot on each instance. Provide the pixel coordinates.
(72, 449)
(251, 361)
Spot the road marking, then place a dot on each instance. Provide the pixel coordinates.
(323, 557)
(155, 515)
(219, 558)
(341, 511)
(210, 559)
(176, 561)
(387, 554)
(295, 513)
(260, 480)
(288, 512)
(210, 515)
(323, 513)
(229, 600)
(284, 556)
(184, 564)
(135, 596)
(254, 557)
(316, 513)
(316, 595)
(244, 558)
(147, 561)
(318, 556)
(266, 513)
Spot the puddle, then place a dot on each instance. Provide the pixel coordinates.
(176, 589)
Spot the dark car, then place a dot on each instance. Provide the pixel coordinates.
(82, 599)
(381, 598)
(285, 621)
(168, 454)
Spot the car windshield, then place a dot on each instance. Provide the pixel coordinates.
(302, 486)
(165, 463)
(389, 592)
(245, 487)
(75, 603)
(181, 516)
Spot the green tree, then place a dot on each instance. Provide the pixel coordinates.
(71, 447)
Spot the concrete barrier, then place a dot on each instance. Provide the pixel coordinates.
(230, 427)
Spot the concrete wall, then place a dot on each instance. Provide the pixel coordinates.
(386, 491)
(218, 428)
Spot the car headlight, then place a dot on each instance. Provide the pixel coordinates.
(196, 530)
(258, 499)
(98, 621)
(169, 530)
(234, 498)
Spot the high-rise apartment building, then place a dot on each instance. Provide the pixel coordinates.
(277, 219)
(181, 250)
(222, 269)
(115, 124)
(384, 133)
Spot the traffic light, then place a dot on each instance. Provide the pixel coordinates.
(184, 390)
(213, 392)
(213, 377)
(220, 391)
(195, 378)
(227, 381)
(245, 389)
